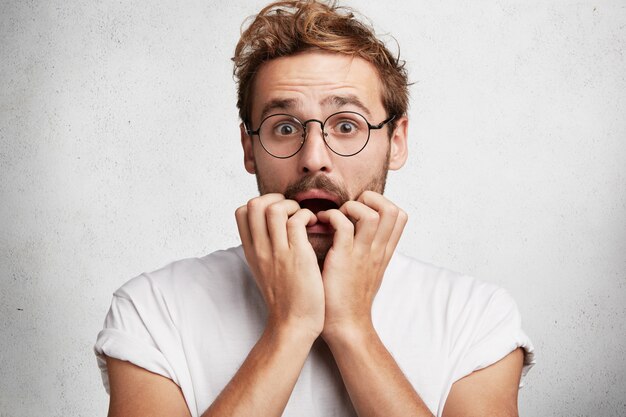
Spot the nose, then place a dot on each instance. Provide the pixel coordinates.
(315, 156)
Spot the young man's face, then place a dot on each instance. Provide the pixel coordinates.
(314, 85)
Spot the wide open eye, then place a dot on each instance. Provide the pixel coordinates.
(286, 128)
(346, 128)
(346, 125)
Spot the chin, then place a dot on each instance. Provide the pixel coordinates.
(321, 245)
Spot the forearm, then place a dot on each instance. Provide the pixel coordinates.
(376, 385)
(263, 384)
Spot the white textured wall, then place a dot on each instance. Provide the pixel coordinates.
(119, 152)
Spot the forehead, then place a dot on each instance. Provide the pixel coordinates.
(315, 82)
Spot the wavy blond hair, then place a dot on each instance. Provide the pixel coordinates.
(285, 28)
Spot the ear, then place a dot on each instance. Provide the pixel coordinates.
(399, 150)
(248, 151)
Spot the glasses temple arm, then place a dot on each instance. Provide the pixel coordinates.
(381, 124)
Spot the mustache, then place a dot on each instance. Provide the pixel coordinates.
(320, 182)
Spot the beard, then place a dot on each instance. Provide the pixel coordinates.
(322, 243)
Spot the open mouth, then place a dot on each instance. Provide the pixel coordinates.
(318, 204)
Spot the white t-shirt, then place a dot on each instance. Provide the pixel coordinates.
(195, 321)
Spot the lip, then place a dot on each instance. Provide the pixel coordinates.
(320, 229)
(317, 194)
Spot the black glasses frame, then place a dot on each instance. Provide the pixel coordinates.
(304, 124)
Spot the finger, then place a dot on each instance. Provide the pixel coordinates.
(276, 216)
(388, 216)
(366, 221)
(344, 228)
(241, 216)
(398, 228)
(256, 219)
(296, 227)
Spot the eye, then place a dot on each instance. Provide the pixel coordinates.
(346, 127)
(285, 129)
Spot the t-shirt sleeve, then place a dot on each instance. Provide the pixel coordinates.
(496, 331)
(139, 329)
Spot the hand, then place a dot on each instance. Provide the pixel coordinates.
(367, 232)
(283, 262)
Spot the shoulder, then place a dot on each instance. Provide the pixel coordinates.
(156, 314)
(477, 322)
(415, 277)
(458, 304)
(220, 268)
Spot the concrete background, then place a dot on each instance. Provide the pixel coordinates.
(119, 152)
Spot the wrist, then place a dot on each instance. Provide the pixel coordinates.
(302, 331)
(349, 332)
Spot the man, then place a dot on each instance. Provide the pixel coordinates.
(315, 315)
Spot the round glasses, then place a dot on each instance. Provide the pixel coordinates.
(345, 133)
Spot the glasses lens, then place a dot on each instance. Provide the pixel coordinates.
(346, 133)
(281, 135)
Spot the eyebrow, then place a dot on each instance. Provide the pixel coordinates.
(335, 100)
(279, 104)
(350, 99)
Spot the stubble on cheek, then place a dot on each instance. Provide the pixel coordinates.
(322, 243)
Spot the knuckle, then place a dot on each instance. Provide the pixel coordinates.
(254, 204)
(276, 254)
(337, 215)
(274, 210)
(372, 216)
(347, 227)
(378, 259)
(292, 222)
(370, 196)
(403, 215)
(292, 226)
(241, 212)
(350, 205)
(263, 257)
(391, 210)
